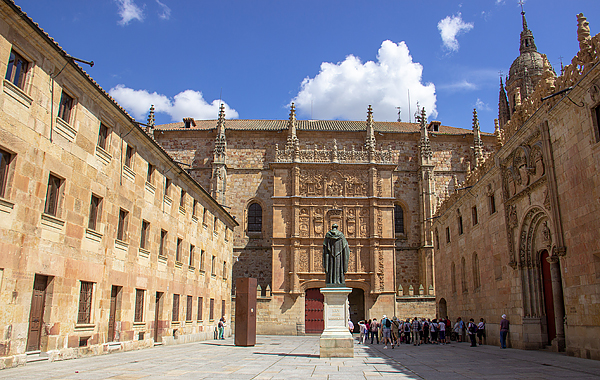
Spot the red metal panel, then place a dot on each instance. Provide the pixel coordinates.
(313, 312)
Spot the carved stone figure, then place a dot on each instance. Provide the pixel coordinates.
(336, 255)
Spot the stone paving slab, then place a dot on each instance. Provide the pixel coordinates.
(292, 357)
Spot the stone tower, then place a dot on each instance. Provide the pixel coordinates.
(218, 183)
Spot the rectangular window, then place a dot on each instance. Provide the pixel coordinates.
(213, 269)
(596, 115)
(95, 212)
(460, 225)
(16, 71)
(5, 159)
(200, 301)
(178, 251)
(65, 107)
(191, 261)
(204, 216)
(175, 314)
(223, 308)
(150, 174)
(129, 156)
(492, 204)
(194, 207)
(52, 195)
(85, 302)
(122, 226)
(224, 269)
(182, 199)
(163, 243)
(167, 187)
(201, 264)
(215, 224)
(188, 311)
(145, 234)
(211, 311)
(447, 234)
(139, 305)
(474, 215)
(103, 137)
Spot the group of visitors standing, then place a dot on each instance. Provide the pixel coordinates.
(417, 331)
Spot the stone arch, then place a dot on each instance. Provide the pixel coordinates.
(263, 209)
(405, 216)
(476, 272)
(442, 308)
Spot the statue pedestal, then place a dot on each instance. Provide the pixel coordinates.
(336, 340)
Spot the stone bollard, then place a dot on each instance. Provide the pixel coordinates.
(400, 291)
(411, 291)
(431, 292)
(421, 290)
(268, 291)
(258, 291)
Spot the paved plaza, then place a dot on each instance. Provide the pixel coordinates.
(294, 357)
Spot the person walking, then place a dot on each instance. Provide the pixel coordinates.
(221, 326)
(481, 331)
(363, 331)
(472, 329)
(406, 330)
(416, 327)
(503, 331)
(395, 335)
(442, 331)
(374, 329)
(386, 330)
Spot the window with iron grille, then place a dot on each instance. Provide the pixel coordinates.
(65, 107)
(122, 226)
(53, 195)
(200, 304)
(211, 311)
(254, 218)
(163, 243)
(178, 251)
(5, 159)
(139, 305)
(94, 217)
(188, 310)
(175, 315)
(474, 215)
(191, 261)
(145, 234)
(85, 302)
(16, 71)
(398, 219)
(103, 137)
(129, 156)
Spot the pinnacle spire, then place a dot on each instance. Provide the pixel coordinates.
(424, 144)
(503, 109)
(292, 122)
(151, 121)
(527, 42)
(221, 121)
(477, 142)
(370, 143)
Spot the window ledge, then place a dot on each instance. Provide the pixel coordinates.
(178, 264)
(162, 259)
(191, 268)
(182, 210)
(194, 219)
(175, 323)
(93, 235)
(143, 252)
(167, 200)
(17, 94)
(128, 173)
(65, 130)
(103, 155)
(6, 206)
(254, 234)
(85, 327)
(119, 244)
(52, 222)
(139, 324)
(150, 188)
(204, 225)
(401, 236)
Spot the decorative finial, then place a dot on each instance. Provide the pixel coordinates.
(293, 113)
(151, 117)
(370, 143)
(475, 119)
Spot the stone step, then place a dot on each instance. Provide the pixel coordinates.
(36, 356)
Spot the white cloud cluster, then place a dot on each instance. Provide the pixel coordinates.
(165, 12)
(188, 103)
(128, 11)
(481, 106)
(450, 27)
(344, 90)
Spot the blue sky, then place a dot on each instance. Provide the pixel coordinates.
(333, 58)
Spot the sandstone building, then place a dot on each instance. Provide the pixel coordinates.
(288, 181)
(106, 243)
(523, 236)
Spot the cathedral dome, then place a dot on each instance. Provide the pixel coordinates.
(528, 63)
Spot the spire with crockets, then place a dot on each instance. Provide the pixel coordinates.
(220, 140)
(477, 142)
(424, 144)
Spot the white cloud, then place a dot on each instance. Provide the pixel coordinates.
(128, 11)
(344, 90)
(188, 103)
(450, 27)
(463, 85)
(481, 106)
(166, 11)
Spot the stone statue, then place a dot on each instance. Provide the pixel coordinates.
(336, 254)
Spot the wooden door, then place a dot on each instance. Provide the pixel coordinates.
(313, 312)
(36, 313)
(157, 312)
(356, 301)
(112, 316)
(548, 297)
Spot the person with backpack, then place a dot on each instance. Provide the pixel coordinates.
(442, 331)
(425, 330)
(406, 330)
(472, 329)
(433, 331)
(386, 329)
(416, 327)
(481, 330)
(374, 330)
(395, 330)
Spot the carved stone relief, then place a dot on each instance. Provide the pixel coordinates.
(364, 222)
(318, 260)
(303, 260)
(364, 260)
(351, 222)
(304, 223)
(311, 183)
(318, 221)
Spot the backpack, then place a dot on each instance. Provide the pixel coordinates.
(472, 328)
(407, 327)
(425, 325)
(388, 323)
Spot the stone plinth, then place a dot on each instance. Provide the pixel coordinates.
(336, 340)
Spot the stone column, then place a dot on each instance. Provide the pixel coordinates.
(557, 295)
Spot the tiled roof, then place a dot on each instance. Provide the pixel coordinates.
(313, 125)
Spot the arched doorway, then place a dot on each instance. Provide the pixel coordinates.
(313, 311)
(548, 297)
(442, 308)
(356, 301)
